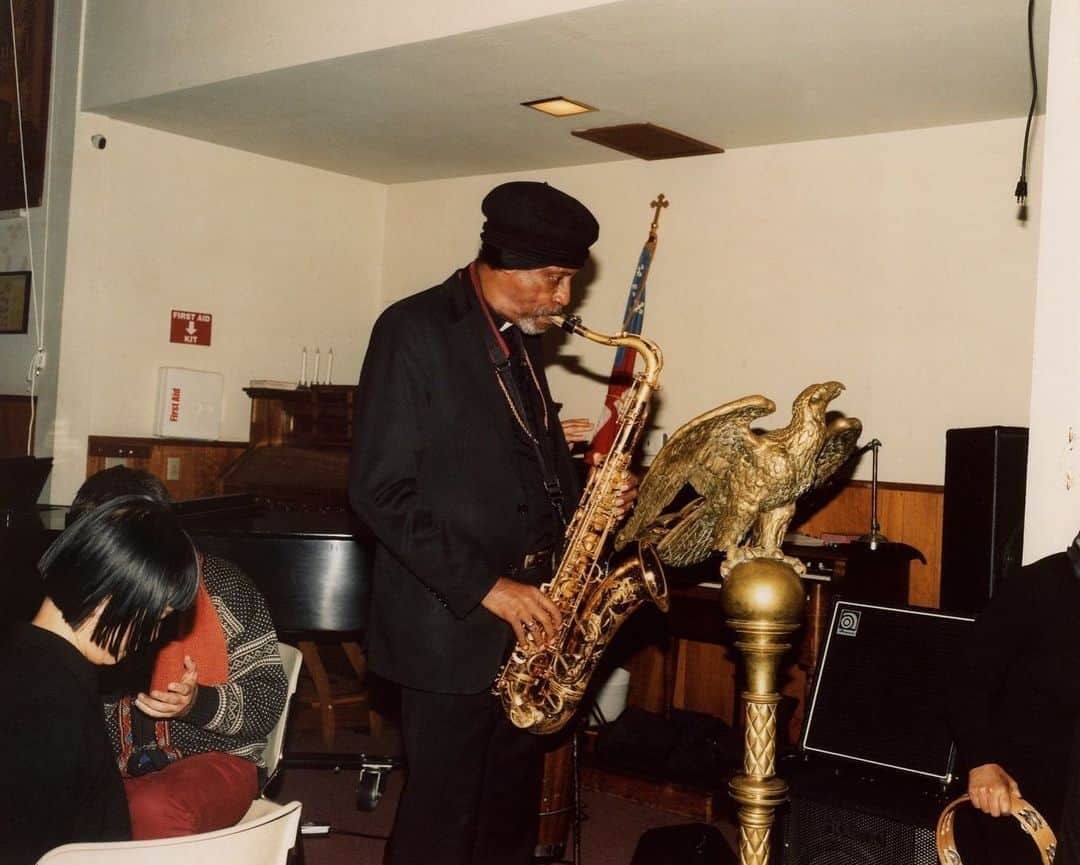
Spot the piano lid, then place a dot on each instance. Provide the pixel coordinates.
(245, 514)
(314, 568)
(302, 477)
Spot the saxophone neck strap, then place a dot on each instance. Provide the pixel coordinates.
(499, 353)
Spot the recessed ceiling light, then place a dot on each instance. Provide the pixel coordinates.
(559, 106)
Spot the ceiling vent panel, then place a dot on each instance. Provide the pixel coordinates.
(647, 141)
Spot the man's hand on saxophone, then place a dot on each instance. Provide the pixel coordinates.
(626, 495)
(534, 618)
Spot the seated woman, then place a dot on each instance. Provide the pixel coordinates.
(109, 580)
(188, 724)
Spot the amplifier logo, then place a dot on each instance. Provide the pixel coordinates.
(847, 623)
(844, 828)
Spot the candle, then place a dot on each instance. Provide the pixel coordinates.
(315, 378)
(329, 365)
(303, 366)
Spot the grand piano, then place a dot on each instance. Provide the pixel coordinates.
(313, 567)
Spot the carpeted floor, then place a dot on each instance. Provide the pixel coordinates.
(609, 836)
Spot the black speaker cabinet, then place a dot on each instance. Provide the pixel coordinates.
(880, 694)
(856, 817)
(876, 758)
(982, 531)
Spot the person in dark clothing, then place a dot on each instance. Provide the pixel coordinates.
(109, 580)
(461, 470)
(1015, 703)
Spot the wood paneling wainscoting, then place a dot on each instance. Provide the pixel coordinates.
(15, 414)
(908, 513)
(197, 465)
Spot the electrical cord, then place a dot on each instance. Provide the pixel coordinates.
(1021, 191)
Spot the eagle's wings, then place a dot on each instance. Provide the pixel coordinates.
(840, 440)
(700, 452)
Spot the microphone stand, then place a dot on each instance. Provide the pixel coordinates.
(875, 538)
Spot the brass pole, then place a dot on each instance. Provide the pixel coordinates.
(763, 603)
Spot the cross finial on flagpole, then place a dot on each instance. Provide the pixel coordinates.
(657, 204)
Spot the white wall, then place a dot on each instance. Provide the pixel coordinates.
(281, 255)
(890, 262)
(1053, 488)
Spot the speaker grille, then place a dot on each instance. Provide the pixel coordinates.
(880, 695)
(821, 833)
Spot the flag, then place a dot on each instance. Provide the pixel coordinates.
(622, 369)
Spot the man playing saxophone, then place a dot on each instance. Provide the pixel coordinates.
(461, 470)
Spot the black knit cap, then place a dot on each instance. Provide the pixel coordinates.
(531, 225)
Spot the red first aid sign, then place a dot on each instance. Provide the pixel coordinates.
(190, 328)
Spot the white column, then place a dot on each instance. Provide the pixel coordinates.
(1053, 484)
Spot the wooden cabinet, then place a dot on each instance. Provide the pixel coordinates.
(299, 454)
(316, 416)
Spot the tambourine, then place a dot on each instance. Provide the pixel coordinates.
(1026, 814)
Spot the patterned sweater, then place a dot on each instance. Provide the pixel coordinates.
(235, 717)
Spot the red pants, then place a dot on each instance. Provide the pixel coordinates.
(199, 793)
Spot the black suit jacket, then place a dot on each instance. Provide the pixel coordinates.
(1015, 698)
(436, 478)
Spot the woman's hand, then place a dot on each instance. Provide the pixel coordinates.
(578, 429)
(176, 701)
(991, 788)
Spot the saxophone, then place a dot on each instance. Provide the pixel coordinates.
(541, 685)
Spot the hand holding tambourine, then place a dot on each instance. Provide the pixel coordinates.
(1031, 821)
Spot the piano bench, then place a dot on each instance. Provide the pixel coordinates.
(326, 701)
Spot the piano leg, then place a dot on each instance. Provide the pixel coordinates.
(326, 701)
(356, 657)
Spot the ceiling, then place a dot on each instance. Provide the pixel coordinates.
(734, 73)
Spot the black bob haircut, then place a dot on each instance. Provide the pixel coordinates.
(132, 554)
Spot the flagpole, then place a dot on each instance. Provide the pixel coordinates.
(657, 204)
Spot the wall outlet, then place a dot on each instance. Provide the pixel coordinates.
(172, 469)
(113, 462)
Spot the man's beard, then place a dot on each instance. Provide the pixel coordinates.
(537, 323)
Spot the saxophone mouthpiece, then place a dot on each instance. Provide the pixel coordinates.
(569, 323)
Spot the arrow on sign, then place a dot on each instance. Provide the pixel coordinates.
(191, 327)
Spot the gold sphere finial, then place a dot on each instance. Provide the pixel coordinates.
(764, 590)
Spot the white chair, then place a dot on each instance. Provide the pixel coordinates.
(264, 837)
(291, 660)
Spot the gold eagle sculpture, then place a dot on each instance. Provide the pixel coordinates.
(746, 481)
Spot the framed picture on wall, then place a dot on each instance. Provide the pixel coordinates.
(14, 301)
